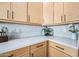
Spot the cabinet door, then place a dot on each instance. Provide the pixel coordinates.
(4, 10)
(19, 11)
(39, 52)
(71, 11)
(35, 12)
(48, 13)
(56, 53)
(58, 13)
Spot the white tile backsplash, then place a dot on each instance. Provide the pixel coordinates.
(62, 31)
(19, 30)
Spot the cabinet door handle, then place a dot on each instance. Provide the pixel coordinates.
(61, 18)
(7, 14)
(28, 18)
(60, 47)
(39, 46)
(32, 55)
(64, 17)
(12, 14)
(11, 55)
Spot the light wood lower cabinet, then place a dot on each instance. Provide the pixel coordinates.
(39, 50)
(62, 48)
(56, 53)
(44, 49)
(22, 52)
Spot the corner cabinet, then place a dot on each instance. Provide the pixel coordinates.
(71, 11)
(48, 13)
(19, 11)
(35, 12)
(5, 11)
(39, 50)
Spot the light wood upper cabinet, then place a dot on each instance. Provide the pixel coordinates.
(35, 12)
(48, 13)
(61, 12)
(39, 50)
(58, 13)
(19, 11)
(4, 10)
(71, 11)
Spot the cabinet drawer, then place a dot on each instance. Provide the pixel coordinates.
(19, 52)
(65, 49)
(39, 45)
(52, 52)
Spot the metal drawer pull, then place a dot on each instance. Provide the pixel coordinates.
(39, 45)
(11, 55)
(61, 18)
(64, 17)
(60, 47)
(7, 13)
(32, 55)
(28, 18)
(12, 14)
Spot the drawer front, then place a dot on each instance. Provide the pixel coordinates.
(52, 52)
(19, 52)
(65, 49)
(33, 47)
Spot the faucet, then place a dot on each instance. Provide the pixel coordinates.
(47, 31)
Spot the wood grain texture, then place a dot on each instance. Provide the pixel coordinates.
(39, 50)
(22, 52)
(67, 50)
(35, 11)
